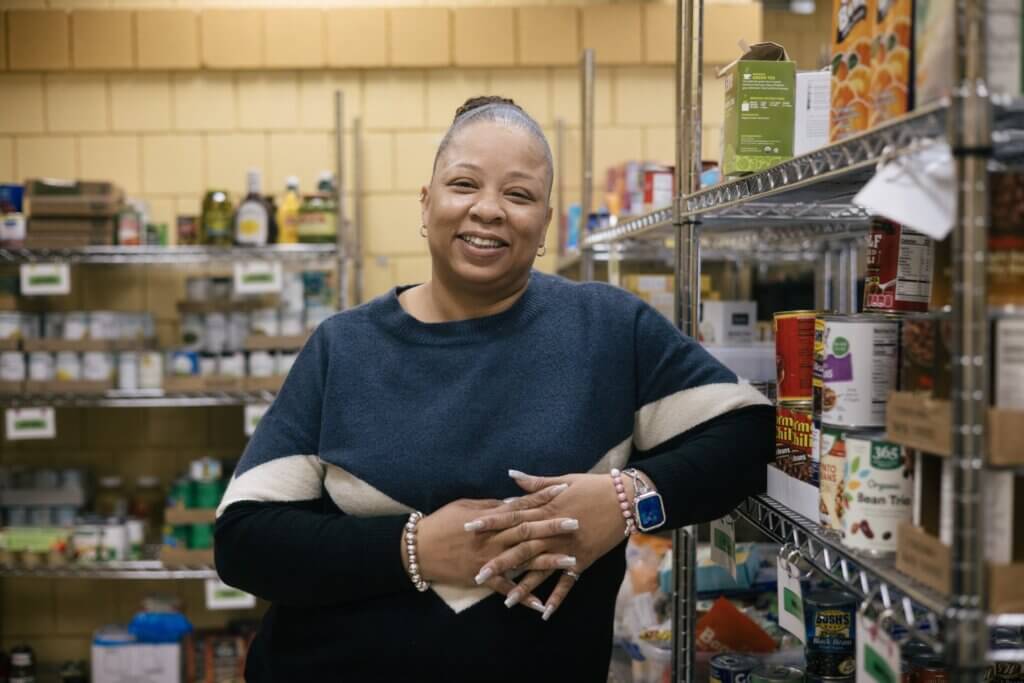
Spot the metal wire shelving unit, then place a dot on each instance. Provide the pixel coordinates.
(144, 398)
(802, 208)
(172, 256)
(135, 569)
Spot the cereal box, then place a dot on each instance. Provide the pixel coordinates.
(852, 33)
(892, 61)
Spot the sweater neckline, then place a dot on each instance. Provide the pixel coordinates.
(473, 330)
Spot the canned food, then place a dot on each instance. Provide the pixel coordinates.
(98, 366)
(151, 370)
(39, 516)
(128, 371)
(794, 355)
(818, 369)
(53, 325)
(136, 538)
(69, 366)
(64, 515)
(115, 541)
(925, 355)
(184, 363)
(731, 668)
(859, 369)
(220, 288)
(193, 332)
(76, 325)
(265, 321)
(292, 293)
(31, 326)
(104, 325)
(899, 269)
(1005, 269)
(830, 617)
(261, 364)
(238, 330)
(832, 489)
(232, 364)
(773, 673)
(131, 326)
(42, 366)
(207, 364)
(10, 325)
(216, 333)
(285, 360)
(879, 493)
(929, 668)
(794, 453)
(200, 537)
(12, 366)
(1008, 359)
(87, 542)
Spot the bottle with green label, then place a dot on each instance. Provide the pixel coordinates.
(216, 224)
(318, 215)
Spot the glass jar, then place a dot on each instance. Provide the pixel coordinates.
(318, 219)
(111, 499)
(217, 221)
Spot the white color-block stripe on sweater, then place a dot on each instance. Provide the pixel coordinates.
(668, 417)
(282, 480)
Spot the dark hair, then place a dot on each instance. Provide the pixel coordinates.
(500, 110)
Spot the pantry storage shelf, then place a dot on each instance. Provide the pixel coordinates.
(139, 399)
(112, 255)
(654, 224)
(913, 606)
(139, 569)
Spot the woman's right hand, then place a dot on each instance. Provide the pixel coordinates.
(447, 554)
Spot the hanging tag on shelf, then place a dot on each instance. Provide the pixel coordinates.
(791, 600)
(917, 189)
(30, 423)
(253, 414)
(219, 595)
(258, 277)
(878, 655)
(723, 544)
(45, 279)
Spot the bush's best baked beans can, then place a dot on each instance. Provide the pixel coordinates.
(794, 452)
(831, 488)
(794, 355)
(859, 369)
(879, 491)
(898, 276)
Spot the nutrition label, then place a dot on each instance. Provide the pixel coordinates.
(914, 268)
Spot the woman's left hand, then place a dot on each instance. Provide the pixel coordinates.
(591, 499)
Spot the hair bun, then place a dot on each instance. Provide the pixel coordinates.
(483, 101)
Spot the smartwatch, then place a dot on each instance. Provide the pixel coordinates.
(648, 506)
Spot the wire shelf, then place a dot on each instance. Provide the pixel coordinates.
(654, 224)
(114, 255)
(140, 569)
(155, 398)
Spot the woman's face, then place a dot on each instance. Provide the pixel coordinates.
(486, 209)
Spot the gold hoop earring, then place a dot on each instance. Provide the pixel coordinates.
(542, 250)
(423, 231)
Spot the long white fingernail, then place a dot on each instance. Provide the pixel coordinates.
(510, 500)
(555, 490)
(475, 525)
(484, 574)
(516, 474)
(567, 561)
(548, 611)
(513, 598)
(569, 524)
(537, 605)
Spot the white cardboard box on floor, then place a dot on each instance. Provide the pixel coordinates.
(136, 663)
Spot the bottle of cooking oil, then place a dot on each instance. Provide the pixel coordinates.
(288, 213)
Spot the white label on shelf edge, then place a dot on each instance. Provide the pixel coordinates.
(45, 279)
(791, 600)
(30, 423)
(878, 655)
(723, 544)
(258, 277)
(253, 414)
(219, 595)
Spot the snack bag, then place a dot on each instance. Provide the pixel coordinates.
(726, 629)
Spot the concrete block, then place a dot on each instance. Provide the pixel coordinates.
(268, 101)
(645, 95)
(102, 39)
(384, 90)
(112, 157)
(173, 164)
(615, 32)
(316, 98)
(232, 38)
(529, 89)
(660, 33)
(76, 103)
(485, 36)
(140, 102)
(294, 38)
(415, 152)
(357, 37)
(52, 156)
(420, 36)
(167, 39)
(229, 156)
(392, 225)
(548, 36)
(204, 100)
(38, 40)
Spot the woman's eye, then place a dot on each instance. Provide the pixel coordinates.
(521, 196)
(463, 184)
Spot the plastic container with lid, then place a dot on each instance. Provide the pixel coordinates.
(111, 498)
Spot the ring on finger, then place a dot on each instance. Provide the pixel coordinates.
(572, 575)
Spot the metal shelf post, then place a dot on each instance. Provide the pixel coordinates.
(587, 72)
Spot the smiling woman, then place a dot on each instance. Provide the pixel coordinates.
(439, 464)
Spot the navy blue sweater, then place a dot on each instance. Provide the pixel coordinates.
(383, 414)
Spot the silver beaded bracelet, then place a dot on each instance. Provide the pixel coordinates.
(410, 547)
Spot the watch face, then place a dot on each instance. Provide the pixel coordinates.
(650, 512)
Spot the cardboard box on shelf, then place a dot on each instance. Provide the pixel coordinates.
(263, 383)
(760, 88)
(56, 233)
(853, 24)
(75, 387)
(799, 496)
(9, 388)
(892, 55)
(71, 198)
(810, 118)
(728, 322)
(180, 516)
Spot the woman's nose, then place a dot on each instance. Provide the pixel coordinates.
(487, 210)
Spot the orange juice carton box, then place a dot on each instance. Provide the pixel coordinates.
(892, 61)
(852, 34)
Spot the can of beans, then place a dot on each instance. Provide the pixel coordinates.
(879, 493)
(898, 275)
(69, 366)
(1008, 359)
(859, 369)
(98, 366)
(12, 366)
(731, 668)
(830, 617)
(128, 371)
(775, 673)
(925, 357)
(794, 453)
(42, 366)
(831, 488)
(794, 354)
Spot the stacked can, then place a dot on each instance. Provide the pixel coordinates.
(830, 617)
(794, 423)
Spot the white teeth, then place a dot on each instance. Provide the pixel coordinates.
(481, 242)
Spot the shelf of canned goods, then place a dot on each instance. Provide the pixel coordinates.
(144, 398)
(112, 255)
(133, 569)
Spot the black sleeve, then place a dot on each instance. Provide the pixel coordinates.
(290, 552)
(708, 470)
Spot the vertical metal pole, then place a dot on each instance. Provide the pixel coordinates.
(562, 224)
(357, 211)
(970, 134)
(587, 143)
(339, 190)
(689, 64)
(823, 289)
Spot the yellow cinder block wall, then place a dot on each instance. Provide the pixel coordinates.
(171, 97)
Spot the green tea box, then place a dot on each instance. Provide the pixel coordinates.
(760, 90)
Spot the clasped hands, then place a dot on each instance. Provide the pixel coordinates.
(513, 546)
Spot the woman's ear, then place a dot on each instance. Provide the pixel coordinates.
(424, 204)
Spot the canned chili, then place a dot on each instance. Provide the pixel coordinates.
(794, 355)
(794, 451)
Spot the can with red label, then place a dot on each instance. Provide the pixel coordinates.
(899, 269)
(794, 451)
(794, 355)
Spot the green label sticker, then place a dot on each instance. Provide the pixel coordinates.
(840, 347)
(876, 667)
(33, 423)
(723, 542)
(42, 280)
(792, 603)
(886, 456)
(259, 278)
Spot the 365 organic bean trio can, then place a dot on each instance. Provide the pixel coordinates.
(879, 490)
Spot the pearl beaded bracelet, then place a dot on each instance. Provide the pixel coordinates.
(620, 492)
(410, 547)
